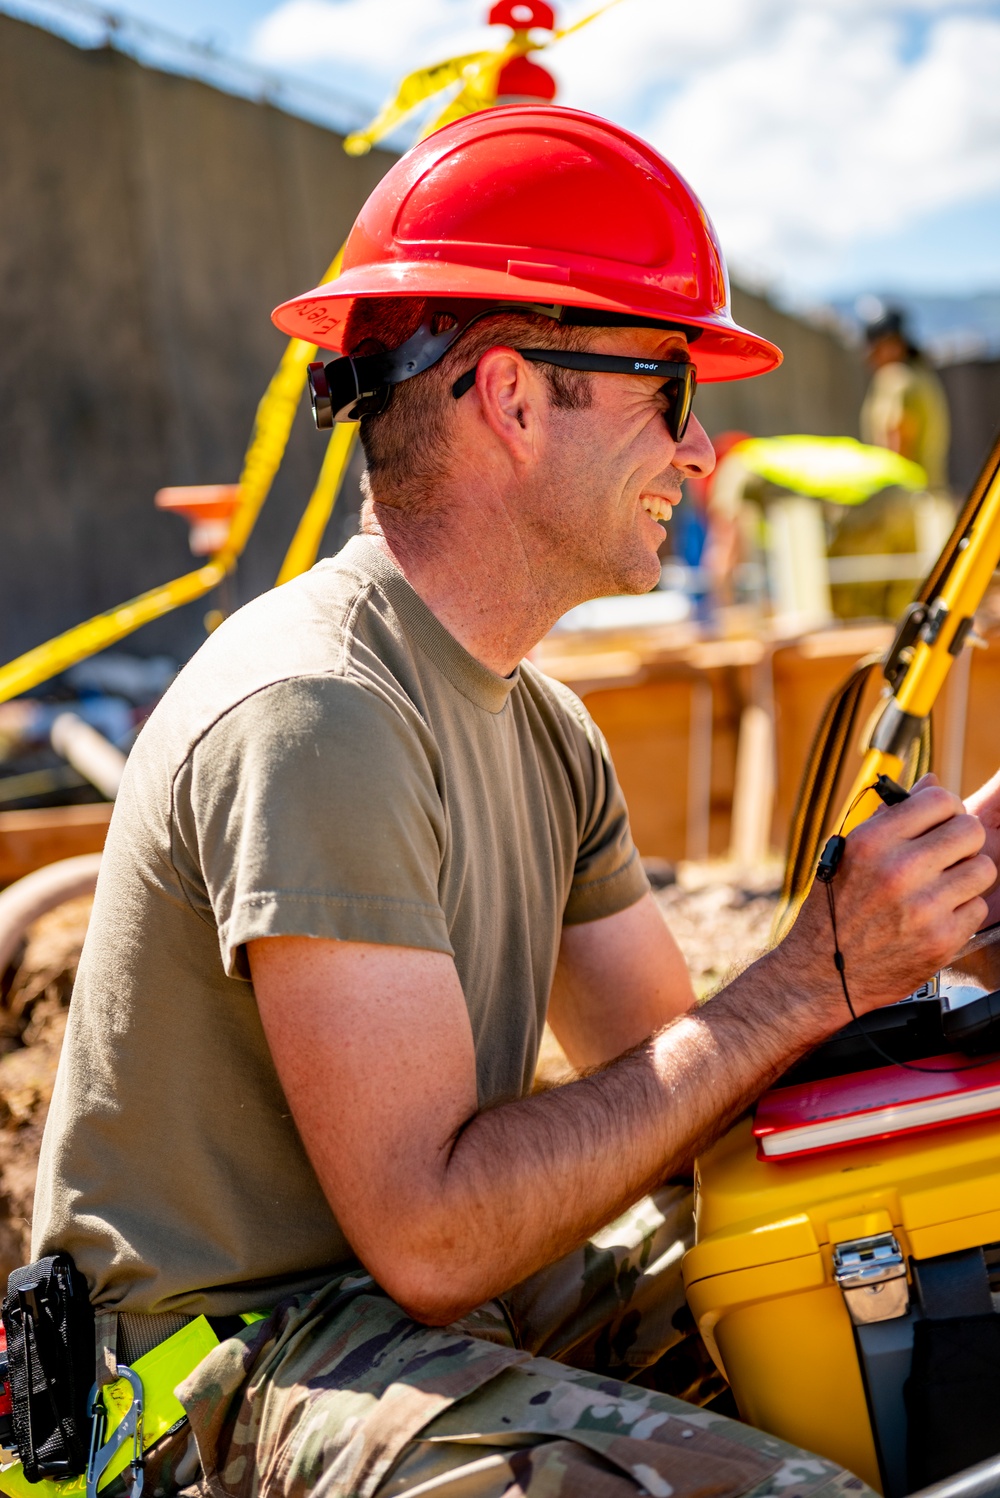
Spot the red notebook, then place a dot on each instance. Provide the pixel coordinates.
(879, 1104)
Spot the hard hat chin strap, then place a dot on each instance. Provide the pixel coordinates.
(354, 386)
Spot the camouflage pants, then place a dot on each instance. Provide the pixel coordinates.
(341, 1395)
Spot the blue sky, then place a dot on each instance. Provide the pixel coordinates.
(841, 146)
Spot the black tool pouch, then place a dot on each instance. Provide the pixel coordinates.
(49, 1323)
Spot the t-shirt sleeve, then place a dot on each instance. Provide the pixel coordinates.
(608, 875)
(311, 809)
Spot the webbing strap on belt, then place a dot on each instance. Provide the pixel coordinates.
(156, 1374)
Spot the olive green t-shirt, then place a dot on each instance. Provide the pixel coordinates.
(331, 763)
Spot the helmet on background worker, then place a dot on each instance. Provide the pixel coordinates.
(537, 210)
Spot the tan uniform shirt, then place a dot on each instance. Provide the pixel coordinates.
(332, 763)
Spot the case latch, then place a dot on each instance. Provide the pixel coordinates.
(872, 1274)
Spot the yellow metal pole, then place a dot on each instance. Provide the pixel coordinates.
(309, 534)
(941, 641)
(930, 636)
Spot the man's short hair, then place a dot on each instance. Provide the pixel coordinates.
(405, 444)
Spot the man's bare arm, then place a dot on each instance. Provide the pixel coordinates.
(446, 1205)
(618, 980)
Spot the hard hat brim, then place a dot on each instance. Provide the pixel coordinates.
(722, 351)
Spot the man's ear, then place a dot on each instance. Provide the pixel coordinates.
(512, 400)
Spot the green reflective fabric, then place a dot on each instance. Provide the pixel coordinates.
(835, 468)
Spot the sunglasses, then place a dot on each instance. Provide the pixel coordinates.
(681, 379)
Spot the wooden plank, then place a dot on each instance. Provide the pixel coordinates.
(951, 721)
(753, 796)
(647, 729)
(31, 839)
(803, 684)
(981, 750)
(647, 721)
(806, 674)
(699, 772)
(587, 673)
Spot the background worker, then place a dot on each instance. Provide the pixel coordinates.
(905, 408)
(362, 850)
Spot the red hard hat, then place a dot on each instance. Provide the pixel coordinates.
(547, 205)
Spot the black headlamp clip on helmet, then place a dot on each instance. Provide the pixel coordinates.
(354, 386)
(337, 393)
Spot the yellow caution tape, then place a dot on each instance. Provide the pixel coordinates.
(478, 73)
(417, 86)
(272, 427)
(309, 535)
(479, 89)
(103, 630)
(557, 36)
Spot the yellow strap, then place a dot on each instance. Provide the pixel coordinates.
(161, 1370)
(14, 1483)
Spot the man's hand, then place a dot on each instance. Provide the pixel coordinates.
(908, 895)
(448, 1205)
(985, 804)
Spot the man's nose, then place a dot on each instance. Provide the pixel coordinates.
(695, 454)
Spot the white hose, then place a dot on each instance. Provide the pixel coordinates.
(22, 903)
(89, 752)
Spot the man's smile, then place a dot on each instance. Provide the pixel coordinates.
(658, 506)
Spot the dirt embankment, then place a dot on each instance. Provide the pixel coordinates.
(719, 923)
(34, 999)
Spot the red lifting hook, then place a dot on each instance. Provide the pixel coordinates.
(521, 78)
(521, 15)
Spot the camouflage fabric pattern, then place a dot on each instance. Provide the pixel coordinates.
(611, 1306)
(341, 1395)
(547, 1430)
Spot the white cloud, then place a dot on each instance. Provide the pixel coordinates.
(806, 125)
(384, 37)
